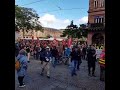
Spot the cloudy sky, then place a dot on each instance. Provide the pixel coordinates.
(58, 13)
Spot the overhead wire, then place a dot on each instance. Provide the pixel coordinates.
(32, 2)
(59, 8)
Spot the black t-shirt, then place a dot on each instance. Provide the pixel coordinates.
(90, 53)
(84, 50)
(28, 50)
(54, 52)
(74, 55)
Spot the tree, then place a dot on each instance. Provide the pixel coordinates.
(70, 30)
(26, 19)
(83, 30)
(74, 31)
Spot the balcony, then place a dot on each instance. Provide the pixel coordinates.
(96, 26)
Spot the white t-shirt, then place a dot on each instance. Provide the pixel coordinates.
(98, 52)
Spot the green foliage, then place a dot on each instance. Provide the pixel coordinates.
(74, 31)
(26, 19)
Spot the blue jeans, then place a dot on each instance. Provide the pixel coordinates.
(37, 55)
(54, 62)
(73, 71)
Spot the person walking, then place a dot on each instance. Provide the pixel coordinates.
(74, 60)
(23, 67)
(67, 55)
(91, 58)
(55, 55)
(46, 63)
(79, 58)
(84, 52)
(41, 54)
(28, 53)
(37, 52)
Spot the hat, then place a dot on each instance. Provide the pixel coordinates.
(22, 52)
(47, 47)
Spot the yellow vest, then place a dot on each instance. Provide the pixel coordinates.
(97, 47)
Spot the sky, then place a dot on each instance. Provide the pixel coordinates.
(58, 13)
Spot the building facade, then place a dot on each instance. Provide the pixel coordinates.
(32, 33)
(96, 22)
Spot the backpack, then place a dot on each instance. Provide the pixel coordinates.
(17, 65)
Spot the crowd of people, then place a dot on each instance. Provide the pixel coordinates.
(48, 52)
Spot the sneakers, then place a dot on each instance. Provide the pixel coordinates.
(41, 74)
(24, 84)
(89, 74)
(73, 74)
(93, 75)
(41, 62)
(48, 76)
(21, 86)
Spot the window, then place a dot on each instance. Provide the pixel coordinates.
(102, 20)
(100, 3)
(95, 3)
(96, 19)
(99, 19)
(103, 3)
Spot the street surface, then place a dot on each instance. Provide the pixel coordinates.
(60, 78)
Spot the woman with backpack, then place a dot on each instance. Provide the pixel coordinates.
(23, 64)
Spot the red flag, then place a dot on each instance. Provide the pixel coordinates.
(69, 42)
(45, 45)
(51, 43)
(37, 39)
(55, 42)
(63, 42)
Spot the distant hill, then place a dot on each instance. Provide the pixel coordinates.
(47, 28)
